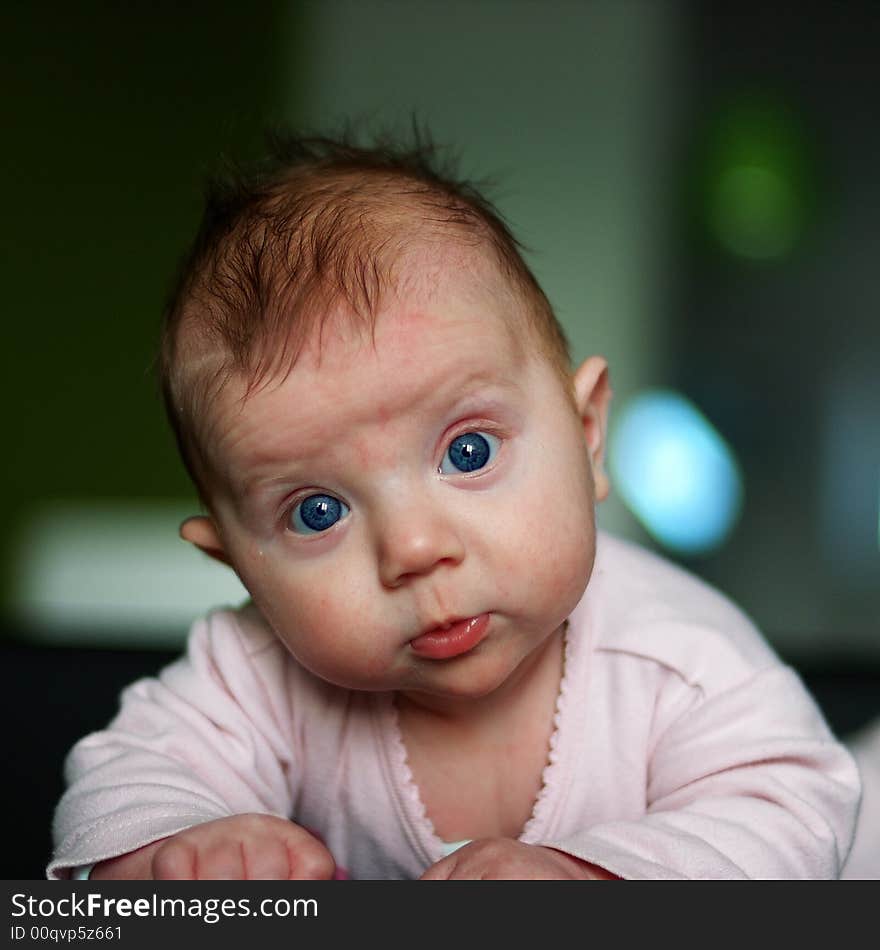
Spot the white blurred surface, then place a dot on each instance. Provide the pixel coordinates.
(114, 573)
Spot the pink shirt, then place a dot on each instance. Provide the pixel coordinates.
(864, 860)
(682, 748)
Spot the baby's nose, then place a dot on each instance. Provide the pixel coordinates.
(413, 545)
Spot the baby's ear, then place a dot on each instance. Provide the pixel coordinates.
(201, 531)
(592, 389)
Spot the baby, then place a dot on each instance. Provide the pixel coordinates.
(444, 671)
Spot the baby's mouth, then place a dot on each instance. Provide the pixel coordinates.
(451, 638)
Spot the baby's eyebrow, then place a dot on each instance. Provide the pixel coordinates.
(268, 474)
(479, 382)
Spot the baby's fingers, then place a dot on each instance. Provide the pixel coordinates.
(271, 861)
(185, 860)
(176, 860)
(305, 858)
(441, 871)
(231, 859)
(226, 859)
(243, 847)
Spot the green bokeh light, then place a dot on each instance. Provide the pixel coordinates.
(759, 189)
(755, 211)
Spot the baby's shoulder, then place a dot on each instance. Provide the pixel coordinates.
(237, 633)
(238, 644)
(642, 605)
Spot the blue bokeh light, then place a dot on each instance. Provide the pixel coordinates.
(675, 472)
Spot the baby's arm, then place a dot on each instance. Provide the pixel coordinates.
(747, 783)
(209, 739)
(243, 847)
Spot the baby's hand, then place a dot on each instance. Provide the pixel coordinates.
(503, 859)
(242, 847)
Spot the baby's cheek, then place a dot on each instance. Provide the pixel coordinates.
(564, 573)
(334, 637)
(553, 561)
(322, 620)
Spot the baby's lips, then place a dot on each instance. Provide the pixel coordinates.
(444, 643)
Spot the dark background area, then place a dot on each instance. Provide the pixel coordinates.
(781, 350)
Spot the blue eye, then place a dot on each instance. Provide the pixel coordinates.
(317, 513)
(469, 452)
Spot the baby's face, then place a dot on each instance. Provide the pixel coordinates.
(381, 492)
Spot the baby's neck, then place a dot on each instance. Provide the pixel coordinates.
(497, 747)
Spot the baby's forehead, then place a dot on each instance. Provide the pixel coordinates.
(421, 367)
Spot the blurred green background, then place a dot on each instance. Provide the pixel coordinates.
(693, 186)
(115, 115)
